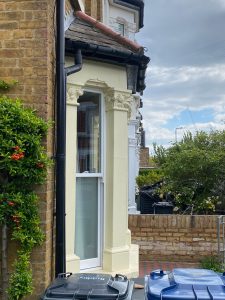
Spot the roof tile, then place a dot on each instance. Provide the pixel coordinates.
(123, 41)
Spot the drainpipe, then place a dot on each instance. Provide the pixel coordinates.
(77, 66)
(60, 251)
(61, 75)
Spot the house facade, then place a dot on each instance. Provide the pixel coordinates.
(102, 109)
(100, 101)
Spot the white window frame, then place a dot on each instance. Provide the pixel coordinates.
(97, 262)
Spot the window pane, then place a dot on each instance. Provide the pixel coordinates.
(121, 29)
(86, 246)
(88, 133)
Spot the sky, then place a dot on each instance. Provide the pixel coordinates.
(185, 40)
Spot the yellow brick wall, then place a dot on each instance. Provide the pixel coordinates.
(27, 55)
(174, 237)
(93, 8)
(144, 157)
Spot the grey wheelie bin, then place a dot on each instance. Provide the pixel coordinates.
(89, 286)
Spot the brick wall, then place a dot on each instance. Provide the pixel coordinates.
(27, 55)
(174, 237)
(144, 157)
(93, 8)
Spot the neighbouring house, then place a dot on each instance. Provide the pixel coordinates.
(101, 100)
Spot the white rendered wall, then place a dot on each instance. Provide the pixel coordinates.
(114, 14)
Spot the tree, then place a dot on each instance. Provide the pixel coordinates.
(149, 177)
(194, 171)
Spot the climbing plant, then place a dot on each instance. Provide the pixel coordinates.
(23, 163)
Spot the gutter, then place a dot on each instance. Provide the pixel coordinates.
(61, 75)
(110, 55)
(98, 49)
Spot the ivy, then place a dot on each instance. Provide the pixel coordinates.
(23, 163)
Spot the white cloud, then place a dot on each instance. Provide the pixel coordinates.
(173, 89)
(187, 71)
(160, 76)
(164, 136)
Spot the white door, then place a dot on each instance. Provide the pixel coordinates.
(89, 187)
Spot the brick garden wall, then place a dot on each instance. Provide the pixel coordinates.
(27, 46)
(174, 237)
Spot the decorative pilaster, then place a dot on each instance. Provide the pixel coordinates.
(73, 93)
(117, 246)
(118, 101)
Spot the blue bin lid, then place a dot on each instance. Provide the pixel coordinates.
(185, 284)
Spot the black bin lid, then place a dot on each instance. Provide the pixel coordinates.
(88, 286)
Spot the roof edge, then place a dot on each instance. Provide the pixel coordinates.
(109, 55)
(105, 29)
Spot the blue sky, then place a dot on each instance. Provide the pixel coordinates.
(186, 76)
(190, 118)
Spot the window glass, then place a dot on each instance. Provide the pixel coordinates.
(121, 29)
(89, 133)
(86, 246)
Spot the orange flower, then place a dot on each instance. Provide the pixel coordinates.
(21, 154)
(17, 156)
